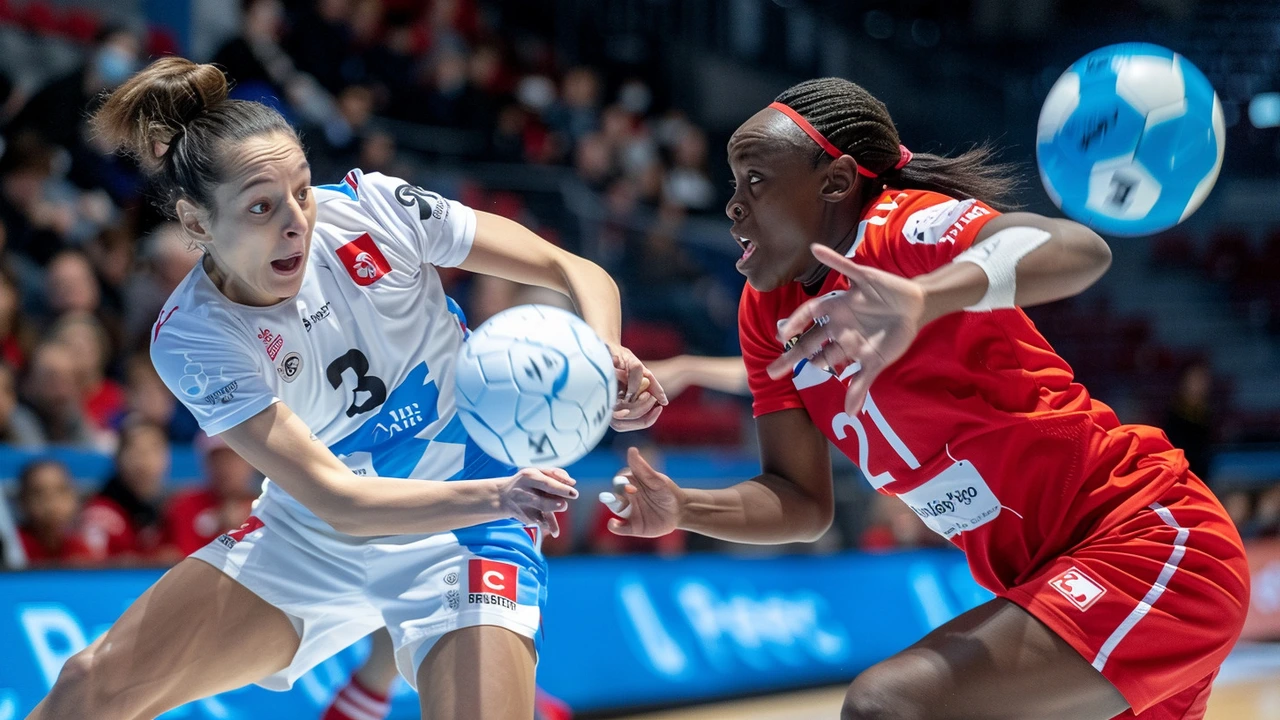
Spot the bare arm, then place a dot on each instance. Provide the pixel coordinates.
(790, 501)
(511, 251)
(723, 374)
(506, 249)
(1071, 260)
(279, 444)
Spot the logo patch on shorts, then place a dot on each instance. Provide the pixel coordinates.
(1077, 587)
(230, 539)
(492, 583)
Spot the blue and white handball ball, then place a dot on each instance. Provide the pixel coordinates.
(1130, 139)
(535, 386)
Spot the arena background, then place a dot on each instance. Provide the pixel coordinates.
(602, 124)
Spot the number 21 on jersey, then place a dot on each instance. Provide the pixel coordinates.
(955, 500)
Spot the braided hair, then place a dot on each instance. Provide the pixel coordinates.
(859, 125)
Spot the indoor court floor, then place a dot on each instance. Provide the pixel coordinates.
(1248, 688)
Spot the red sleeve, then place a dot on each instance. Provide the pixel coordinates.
(757, 333)
(920, 231)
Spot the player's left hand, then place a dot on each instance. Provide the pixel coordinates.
(640, 395)
(871, 324)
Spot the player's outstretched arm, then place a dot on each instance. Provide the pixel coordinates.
(1018, 259)
(1059, 258)
(790, 501)
(279, 444)
(506, 249)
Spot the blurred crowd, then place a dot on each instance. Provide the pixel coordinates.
(405, 87)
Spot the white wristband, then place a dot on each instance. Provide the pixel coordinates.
(998, 256)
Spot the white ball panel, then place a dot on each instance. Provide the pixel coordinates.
(1063, 99)
(1147, 82)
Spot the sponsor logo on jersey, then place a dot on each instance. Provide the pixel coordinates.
(490, 582)
(290, 367)
(272, 342)
(364, 262)
(161, 320)
(429, 204)
(309, 319)
(1077, 587)
(223, 394)
(230, 539)
(397, 420)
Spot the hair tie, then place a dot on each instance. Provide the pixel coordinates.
(905, 157)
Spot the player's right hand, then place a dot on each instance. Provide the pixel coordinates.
(647, 503)
(534, 496)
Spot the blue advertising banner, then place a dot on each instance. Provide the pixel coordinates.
(619, 632)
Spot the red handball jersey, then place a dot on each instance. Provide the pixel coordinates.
(979, 427)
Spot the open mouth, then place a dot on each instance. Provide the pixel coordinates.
(748, 248)
(288, 265)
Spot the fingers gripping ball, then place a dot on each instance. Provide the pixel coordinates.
(536, 386)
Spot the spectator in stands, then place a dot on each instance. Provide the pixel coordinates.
(37, 227)
(687, 183)
(103, 398)
(48, 506)
(14, 335)
(70, 285)
(19, 427)
(577, 114)
(251, 58)
(195, 517)
(52, 391)
(320, 40)
(1189, 419)
(166, 259)
(150, 401)
(122, 522)
(56, 113)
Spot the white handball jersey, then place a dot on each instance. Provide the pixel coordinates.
(361, 353)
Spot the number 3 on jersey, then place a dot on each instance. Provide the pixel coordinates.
(355, 361)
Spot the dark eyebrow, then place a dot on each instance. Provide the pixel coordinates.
(303, 167)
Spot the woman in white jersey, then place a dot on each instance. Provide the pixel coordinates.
(315, 337)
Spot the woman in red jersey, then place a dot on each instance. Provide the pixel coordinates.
(1121, 584)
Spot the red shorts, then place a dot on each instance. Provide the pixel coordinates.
(1155, 604)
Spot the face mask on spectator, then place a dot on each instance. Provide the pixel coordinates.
(114, 66)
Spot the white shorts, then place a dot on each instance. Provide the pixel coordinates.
(337, 588)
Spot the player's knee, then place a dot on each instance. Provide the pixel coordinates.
(886, 692)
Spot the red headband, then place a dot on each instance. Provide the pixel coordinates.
(825, 144)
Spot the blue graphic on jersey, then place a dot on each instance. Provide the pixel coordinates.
(391, 436)
(341, 187)
(456, 309)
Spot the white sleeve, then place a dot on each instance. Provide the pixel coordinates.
(441, 230)
(211, 371)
